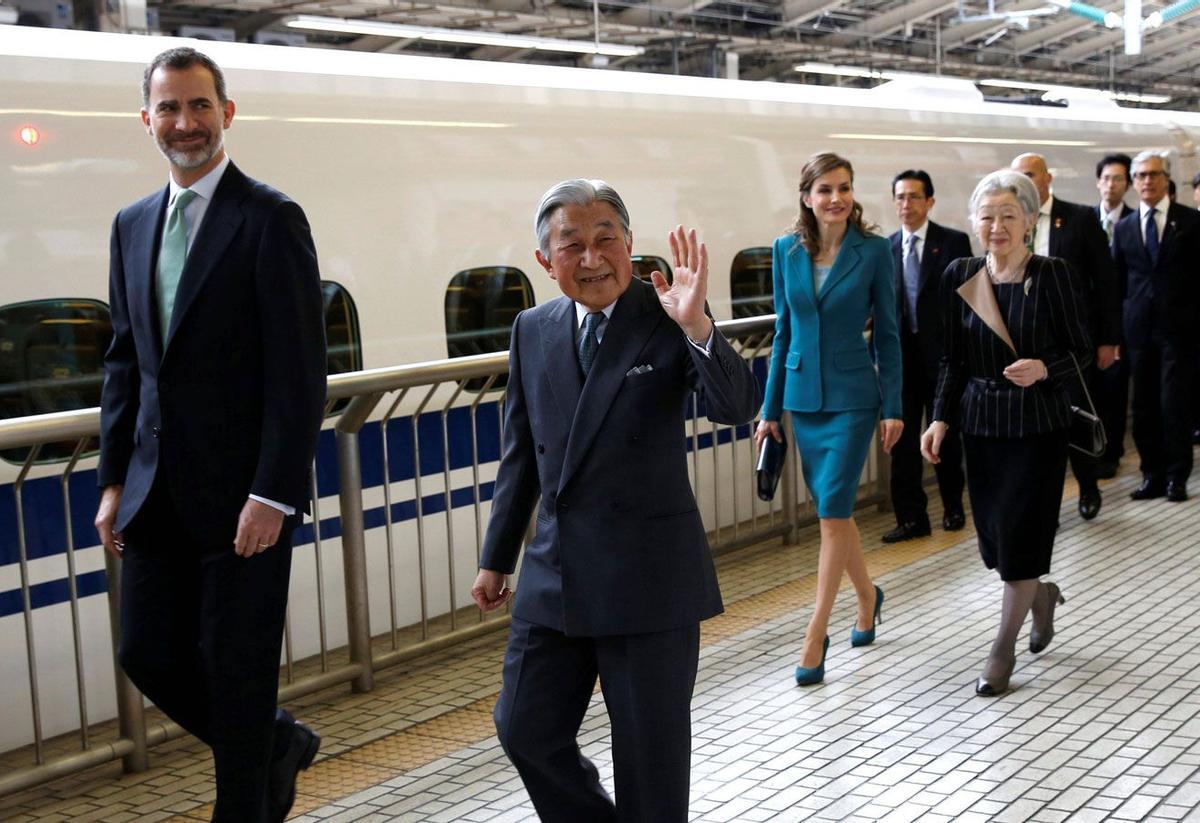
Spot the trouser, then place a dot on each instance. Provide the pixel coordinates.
(1113, 401)
(201, 630)
(1162, 412)
(908, 492)
(647, 681)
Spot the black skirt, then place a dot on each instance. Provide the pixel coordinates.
(1016, 487)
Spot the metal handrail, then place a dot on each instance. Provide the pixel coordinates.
(365, 391)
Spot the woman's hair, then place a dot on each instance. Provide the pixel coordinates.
(805, 226)
(1006, 181)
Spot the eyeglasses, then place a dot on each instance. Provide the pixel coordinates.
(1148, 175)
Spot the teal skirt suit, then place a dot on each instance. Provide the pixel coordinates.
(822, 369)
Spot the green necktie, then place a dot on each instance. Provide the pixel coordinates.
(172, 257)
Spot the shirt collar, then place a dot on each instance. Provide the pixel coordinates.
(1161, 205)
(1115, 214)
(582, 311)
(919, 233)
(1049, 204)
(206, 186)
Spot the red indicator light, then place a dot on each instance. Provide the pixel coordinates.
(29, 135)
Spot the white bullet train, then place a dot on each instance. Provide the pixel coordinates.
(419, 177)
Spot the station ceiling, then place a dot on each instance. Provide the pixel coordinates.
(1028, 41)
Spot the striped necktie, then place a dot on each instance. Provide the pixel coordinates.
(171, 258)
(590, 343)
(912, 282)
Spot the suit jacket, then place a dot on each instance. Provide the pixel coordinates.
(1163, 300)
(1077, 237)
(819, 360)
(619, 546)
(942, 247)
(229, 401)
(984, 334)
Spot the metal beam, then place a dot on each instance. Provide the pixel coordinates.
(1063, 26)
(894, 20)
(657, 12)
(959, 34)
(798, 12)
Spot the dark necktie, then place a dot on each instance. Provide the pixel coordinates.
(1152, 236)
(590, 344)
(912, 281)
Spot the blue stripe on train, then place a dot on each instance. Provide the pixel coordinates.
(45, 527)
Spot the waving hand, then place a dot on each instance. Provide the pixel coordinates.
(683, 299)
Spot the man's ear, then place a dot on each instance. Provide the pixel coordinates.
(544, 262)
(229, 108)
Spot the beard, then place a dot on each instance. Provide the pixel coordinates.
(194, 158)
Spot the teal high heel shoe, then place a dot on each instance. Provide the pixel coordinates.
(866, 638)
(813, 676)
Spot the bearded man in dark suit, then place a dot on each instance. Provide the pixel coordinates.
(213, 398)
(618, 575)
(921, 251)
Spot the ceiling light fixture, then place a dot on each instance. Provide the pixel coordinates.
(471, 36)
(1126, 96)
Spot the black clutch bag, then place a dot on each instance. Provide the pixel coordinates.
(769, 467)
(1087, 433)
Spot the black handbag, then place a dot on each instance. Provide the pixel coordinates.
(769, 467)
(1087, 433)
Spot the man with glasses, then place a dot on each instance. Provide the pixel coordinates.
(1156, 250)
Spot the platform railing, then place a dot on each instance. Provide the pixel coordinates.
(414, 403)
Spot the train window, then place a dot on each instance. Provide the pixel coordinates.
(750, 287)
(643, 264)
(481, 305)
(343, 341)
(52, 360)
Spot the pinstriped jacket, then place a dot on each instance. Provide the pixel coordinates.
(1043, 318)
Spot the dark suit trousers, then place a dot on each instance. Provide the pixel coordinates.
(647, 680)
(201, 630)
(1162, 409)
(908, 492)
(1113, 402)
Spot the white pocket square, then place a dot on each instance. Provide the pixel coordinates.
(642, 369)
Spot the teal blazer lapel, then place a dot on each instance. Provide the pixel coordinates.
(633, 320)
(221, 223)
(802, 283)
(560, 357)
(847, 261)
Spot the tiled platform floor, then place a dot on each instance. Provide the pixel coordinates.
(1103, 725)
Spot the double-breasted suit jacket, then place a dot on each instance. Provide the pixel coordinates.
(229, 400)
(619, 546)
(942, 247)
(828, 365)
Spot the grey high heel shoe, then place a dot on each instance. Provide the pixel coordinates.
(996, 675)
(1042, 630)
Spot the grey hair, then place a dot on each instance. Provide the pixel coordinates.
(1007, 181)
(575, 192)
(1150, 154)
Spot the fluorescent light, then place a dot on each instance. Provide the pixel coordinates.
(1128, 96)
(929, 138)
(839, 71)
(472, 36)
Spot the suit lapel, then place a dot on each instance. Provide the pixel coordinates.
(977, 293)
(148, 237)
(559, 354)
(929, 257)
(1054, 247)
(846, 262)
(633, 320)
(221, 222)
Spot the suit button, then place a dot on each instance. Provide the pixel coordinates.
(541, 449)
(562, 505)
(154, 430)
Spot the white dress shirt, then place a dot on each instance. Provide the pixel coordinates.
(193, 214)
(1160, 218)
(920, 233)
(1041, 238)
(1109, 219)
(582, 311)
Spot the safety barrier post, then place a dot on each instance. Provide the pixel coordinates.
(131, 709)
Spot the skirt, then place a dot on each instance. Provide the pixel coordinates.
(1016, 488)
(833, 449)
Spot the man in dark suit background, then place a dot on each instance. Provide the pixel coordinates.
(618, 575)
(921, 251)
(1156, 251)
(213, 398)
(1112, 181)
(1070, 231)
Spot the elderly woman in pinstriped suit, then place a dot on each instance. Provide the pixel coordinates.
(1012, 326)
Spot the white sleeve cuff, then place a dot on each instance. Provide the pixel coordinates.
(288, 510)
(704, 348)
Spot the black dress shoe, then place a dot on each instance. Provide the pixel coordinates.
(953, 520)
(1176, 491)
(1089, 503)
(1148, 490)
(907, 531)
(281, 788)
(1107, 469)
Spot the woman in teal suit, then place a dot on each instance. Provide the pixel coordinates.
(830, 275)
